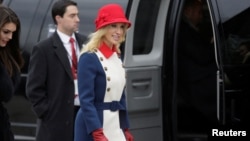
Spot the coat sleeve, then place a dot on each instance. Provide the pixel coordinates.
(86, 77)
(6, 85)
(36, 82)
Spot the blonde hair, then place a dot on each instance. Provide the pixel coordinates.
(96, 38)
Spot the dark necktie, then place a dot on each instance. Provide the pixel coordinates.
(73, 58)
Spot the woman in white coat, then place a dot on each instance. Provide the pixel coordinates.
(101, 81)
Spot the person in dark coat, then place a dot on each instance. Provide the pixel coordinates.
(11, 62)
(51, 76)
(101, 81)
(197, 66)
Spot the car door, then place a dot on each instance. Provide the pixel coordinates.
(229, 31)
(143, 64)
(233, 45)
(190, 67)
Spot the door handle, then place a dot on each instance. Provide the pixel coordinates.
(141, 84)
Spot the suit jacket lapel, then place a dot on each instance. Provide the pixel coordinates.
(61, 53)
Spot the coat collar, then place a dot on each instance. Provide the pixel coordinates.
(106, 51)
(65, 38)
(61, 53)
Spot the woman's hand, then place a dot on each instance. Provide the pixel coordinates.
(128, 135)
(98, 135)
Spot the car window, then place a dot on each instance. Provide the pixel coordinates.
(145, 26)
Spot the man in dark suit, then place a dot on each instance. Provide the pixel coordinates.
(51, 82)
(197, 67)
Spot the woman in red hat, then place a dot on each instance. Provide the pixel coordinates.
(101, 81)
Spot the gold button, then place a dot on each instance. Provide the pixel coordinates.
(108, 78)
(101, 58)
(108, 89)
(105, 68)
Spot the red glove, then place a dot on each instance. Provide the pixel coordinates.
(98, 135)
(128, 135)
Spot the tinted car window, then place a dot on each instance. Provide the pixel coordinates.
(145, 26)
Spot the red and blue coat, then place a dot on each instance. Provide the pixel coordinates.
(101, 82)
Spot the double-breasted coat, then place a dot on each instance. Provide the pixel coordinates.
(101, 82)
(50, 89)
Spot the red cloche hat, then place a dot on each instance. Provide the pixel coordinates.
(110, 13)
